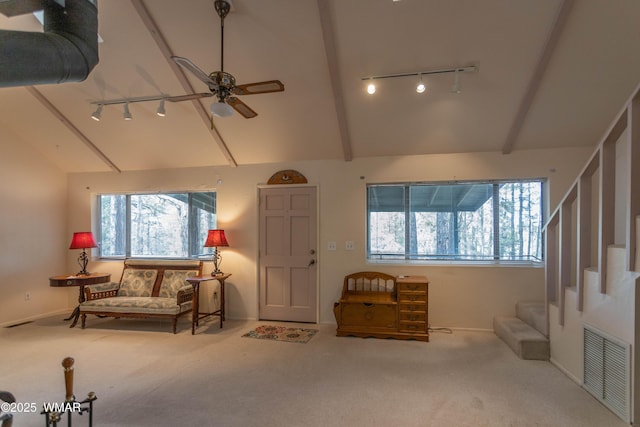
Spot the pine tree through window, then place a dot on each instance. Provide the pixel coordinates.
(462, 221)
(159, 225)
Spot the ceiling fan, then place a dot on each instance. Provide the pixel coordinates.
(222, 84)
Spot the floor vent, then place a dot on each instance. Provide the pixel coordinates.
(607, 371)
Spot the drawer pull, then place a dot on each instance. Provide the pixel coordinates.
(367, 304)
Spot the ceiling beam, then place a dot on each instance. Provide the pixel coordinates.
(334, 76)
(538, 73)
(203, 112)
(65, 121)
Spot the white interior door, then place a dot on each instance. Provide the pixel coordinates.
(288, 246)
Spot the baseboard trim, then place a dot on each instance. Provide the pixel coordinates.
(461, 329)
(566, 372)
(63, 312)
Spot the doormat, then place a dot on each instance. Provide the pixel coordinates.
(281, 333)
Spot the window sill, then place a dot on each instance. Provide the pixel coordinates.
(443, 263)
(150, 258)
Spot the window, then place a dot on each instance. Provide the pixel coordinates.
(465, 221)
(171, 225)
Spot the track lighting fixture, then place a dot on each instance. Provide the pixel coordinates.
(127, 114)
(420, 88)
(97, 114)
(126, 101)
(161, 111)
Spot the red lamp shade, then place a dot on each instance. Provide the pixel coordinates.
(83, 240)
(216, 238)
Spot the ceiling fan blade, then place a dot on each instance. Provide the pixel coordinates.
(191, 96)
(260, 87)
(193, 68)
(241, 107)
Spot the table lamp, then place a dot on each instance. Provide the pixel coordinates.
(215, 239)
(83, 240)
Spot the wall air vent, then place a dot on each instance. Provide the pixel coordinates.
(607, 371)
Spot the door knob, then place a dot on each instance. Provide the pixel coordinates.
(313, 261)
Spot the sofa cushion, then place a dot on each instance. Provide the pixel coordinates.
(173, 281)
(154, 305)
(137, 282)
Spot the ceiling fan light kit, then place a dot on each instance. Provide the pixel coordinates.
(221, 84)
(221, 109)
(421, 87)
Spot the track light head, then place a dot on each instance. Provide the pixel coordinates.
(127, 114)
(420, 88)
(371, 88)
(456, 82)
(161, 111)
(97, 114)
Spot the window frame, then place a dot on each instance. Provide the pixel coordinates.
(408, 259)
(192, 238)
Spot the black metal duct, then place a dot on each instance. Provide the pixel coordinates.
(67, 51)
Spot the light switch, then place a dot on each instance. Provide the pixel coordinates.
(331, 246)
(349, 245)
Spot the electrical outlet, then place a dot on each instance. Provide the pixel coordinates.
(331, 246)
(27, 296)
(349, 245)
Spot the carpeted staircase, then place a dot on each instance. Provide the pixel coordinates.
(525, 333)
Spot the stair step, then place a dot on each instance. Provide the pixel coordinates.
(523, 339)
(533, 313)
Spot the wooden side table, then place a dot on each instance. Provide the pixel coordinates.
(80, 281)
(196, 314)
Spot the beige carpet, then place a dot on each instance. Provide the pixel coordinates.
(144, 375)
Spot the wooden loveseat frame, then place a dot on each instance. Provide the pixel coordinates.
(147, 289)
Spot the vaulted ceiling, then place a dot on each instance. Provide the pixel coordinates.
(550, 73)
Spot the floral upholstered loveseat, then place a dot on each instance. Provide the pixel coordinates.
(146, 289)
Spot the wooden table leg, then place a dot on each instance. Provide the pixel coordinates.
(75, 314)
(195, 310)
(222, 302)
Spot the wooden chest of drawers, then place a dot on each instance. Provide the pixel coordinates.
(413, 298)
(400, 313)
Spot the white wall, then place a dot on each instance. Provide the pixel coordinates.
(465, 297)
(33, 237)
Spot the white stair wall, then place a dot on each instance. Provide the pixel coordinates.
(612, 312)
(592, 243)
